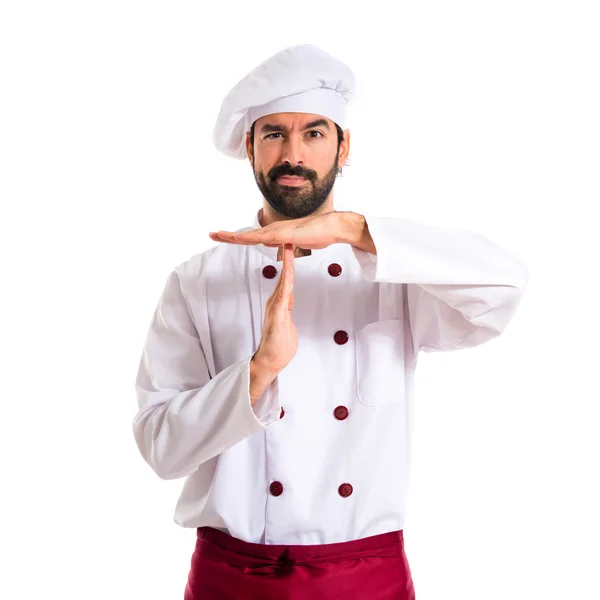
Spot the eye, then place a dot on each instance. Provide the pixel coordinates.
(319, 134)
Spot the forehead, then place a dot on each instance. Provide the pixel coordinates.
(290, 120)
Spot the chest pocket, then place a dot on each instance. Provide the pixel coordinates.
(380, 363)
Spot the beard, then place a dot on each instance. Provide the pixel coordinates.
(295, 202)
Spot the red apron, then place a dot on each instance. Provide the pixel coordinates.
(226, 568)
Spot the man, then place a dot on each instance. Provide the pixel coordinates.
(277, 375)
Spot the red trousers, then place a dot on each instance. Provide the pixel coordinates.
(226, 568)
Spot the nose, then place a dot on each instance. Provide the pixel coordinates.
(291, 152)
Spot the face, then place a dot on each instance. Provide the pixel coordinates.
(301, 146)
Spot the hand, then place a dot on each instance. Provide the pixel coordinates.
(279, 340)
(312, 232)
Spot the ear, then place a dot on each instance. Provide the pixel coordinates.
(249, 149)
(344, 148)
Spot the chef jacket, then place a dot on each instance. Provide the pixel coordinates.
(324, 456)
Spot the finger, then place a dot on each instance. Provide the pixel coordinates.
(282, 290)
(245, 237)
(278, 290)
(222, 239)
(280, 281)
(285, 298)
(289, 286)
(238, 242)
(288, 256)
(288, 271)
(278, 286)
(229, 237)
(266, 236)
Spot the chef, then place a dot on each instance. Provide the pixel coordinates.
(277, 374)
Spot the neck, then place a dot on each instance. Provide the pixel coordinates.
(267, 216)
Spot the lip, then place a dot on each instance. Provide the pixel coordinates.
(287, 180)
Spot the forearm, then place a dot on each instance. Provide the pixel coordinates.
(461, 288)
(176, 432)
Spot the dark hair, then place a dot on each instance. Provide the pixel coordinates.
(340, 135)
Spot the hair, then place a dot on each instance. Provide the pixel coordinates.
(340, 135)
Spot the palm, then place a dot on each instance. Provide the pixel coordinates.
(309, 233)
(312, 234)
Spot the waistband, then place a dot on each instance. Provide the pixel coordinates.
(222, 546)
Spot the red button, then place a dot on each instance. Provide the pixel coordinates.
(340, 337)
(341, 413)
(269, 271)
(281, 413)
(277, 489)
(335, 270)
(345, 490)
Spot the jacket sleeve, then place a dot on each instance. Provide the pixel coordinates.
(184, 416)
(461, 289)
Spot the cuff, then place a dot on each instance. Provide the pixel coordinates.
(374, 266)
(267, 408)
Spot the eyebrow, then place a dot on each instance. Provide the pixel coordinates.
(268, 127)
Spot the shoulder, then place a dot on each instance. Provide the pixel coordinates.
(212, 260)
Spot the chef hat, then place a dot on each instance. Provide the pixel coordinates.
(300, 78)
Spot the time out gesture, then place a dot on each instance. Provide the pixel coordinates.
(310, 233)
(279, 339)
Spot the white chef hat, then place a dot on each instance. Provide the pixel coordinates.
(300, 78)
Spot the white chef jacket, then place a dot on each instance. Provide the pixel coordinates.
(359, 333)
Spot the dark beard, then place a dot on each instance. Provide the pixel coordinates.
(296, 202)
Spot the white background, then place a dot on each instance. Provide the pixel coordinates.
(479, 115)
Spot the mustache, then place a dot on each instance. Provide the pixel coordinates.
(291, 172)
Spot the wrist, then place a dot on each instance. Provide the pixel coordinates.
(261, 365)
(355, 231)
(261, 377)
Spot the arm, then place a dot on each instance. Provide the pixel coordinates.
(185, 417)
(462, 290)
